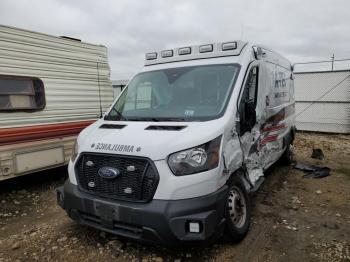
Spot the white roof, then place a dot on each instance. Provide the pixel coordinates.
(195, 52)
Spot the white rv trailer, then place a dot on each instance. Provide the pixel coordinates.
(50, 89)
(176, 156)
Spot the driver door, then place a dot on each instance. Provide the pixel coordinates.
(249, 127)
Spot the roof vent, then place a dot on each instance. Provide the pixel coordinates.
(165, 128)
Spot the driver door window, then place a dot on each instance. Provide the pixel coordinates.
(248, 102)
(251, 87)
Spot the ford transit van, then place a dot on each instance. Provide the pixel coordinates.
(177, 155)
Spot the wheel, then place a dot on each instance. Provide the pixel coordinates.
(238, 210)
(287, 157)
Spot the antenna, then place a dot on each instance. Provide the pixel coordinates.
(99, 88)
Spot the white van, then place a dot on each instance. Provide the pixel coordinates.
(176, 156)
(50, 89)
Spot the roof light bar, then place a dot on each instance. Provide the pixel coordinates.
(184, 51)
(167, 53)
(151, 56)
(229, 46)
(206, 48)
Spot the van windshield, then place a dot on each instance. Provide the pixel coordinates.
(196, 93)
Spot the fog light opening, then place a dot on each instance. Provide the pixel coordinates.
(194, 227)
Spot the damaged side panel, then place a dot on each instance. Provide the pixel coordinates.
(274, 107)
(232, 154)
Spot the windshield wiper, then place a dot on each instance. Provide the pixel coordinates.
(172, 119)
(158, 119)
(153, 119)
(122, 117)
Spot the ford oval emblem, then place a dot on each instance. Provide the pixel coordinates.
(108, 172)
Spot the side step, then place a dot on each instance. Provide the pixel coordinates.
(257, 185)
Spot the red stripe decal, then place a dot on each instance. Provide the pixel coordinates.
(274, 128)
(40, 132)
(267, 139)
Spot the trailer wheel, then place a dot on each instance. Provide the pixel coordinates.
(238, 210)
(287, 157)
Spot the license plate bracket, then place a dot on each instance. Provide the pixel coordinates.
(106, 214)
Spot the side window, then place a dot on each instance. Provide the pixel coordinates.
(248, 102)
(251, 86)
(21, 93)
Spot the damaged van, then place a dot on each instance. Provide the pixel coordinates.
(177, 155)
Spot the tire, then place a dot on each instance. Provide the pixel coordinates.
(287, 157)
(237, 210)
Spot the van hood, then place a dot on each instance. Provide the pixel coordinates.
(154, 140)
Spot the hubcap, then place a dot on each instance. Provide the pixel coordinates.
(237, 207)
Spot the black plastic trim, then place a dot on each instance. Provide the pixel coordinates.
(159, 221)
(112, 126)
(165, 128)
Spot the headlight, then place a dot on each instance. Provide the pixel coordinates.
(197, 159)
(75, 151)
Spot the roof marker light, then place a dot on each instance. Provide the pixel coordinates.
(167, 53)
(229, 46)
(206, 48)
(184, 50)
(151, 56)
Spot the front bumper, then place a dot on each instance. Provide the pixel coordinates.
(159, 221)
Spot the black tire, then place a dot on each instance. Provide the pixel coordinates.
(237, 226)
(287, 157)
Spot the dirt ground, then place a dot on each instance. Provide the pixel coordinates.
(294, 218)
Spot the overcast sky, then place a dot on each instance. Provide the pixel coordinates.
(299, 29)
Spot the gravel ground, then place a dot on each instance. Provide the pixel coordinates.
(294, 218)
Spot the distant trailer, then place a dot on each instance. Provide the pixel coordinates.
(50, 89)
(323, 101)
(118, 86)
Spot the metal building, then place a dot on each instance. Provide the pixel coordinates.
(118, 86)
(323, 101)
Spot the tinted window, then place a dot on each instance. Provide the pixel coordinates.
(21, 93)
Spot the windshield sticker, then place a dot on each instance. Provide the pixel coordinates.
(115, 147)
(189, 112)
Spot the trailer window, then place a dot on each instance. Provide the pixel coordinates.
(19, 93)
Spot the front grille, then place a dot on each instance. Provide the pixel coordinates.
(137, 184)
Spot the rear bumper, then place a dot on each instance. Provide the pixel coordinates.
(159, 221)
